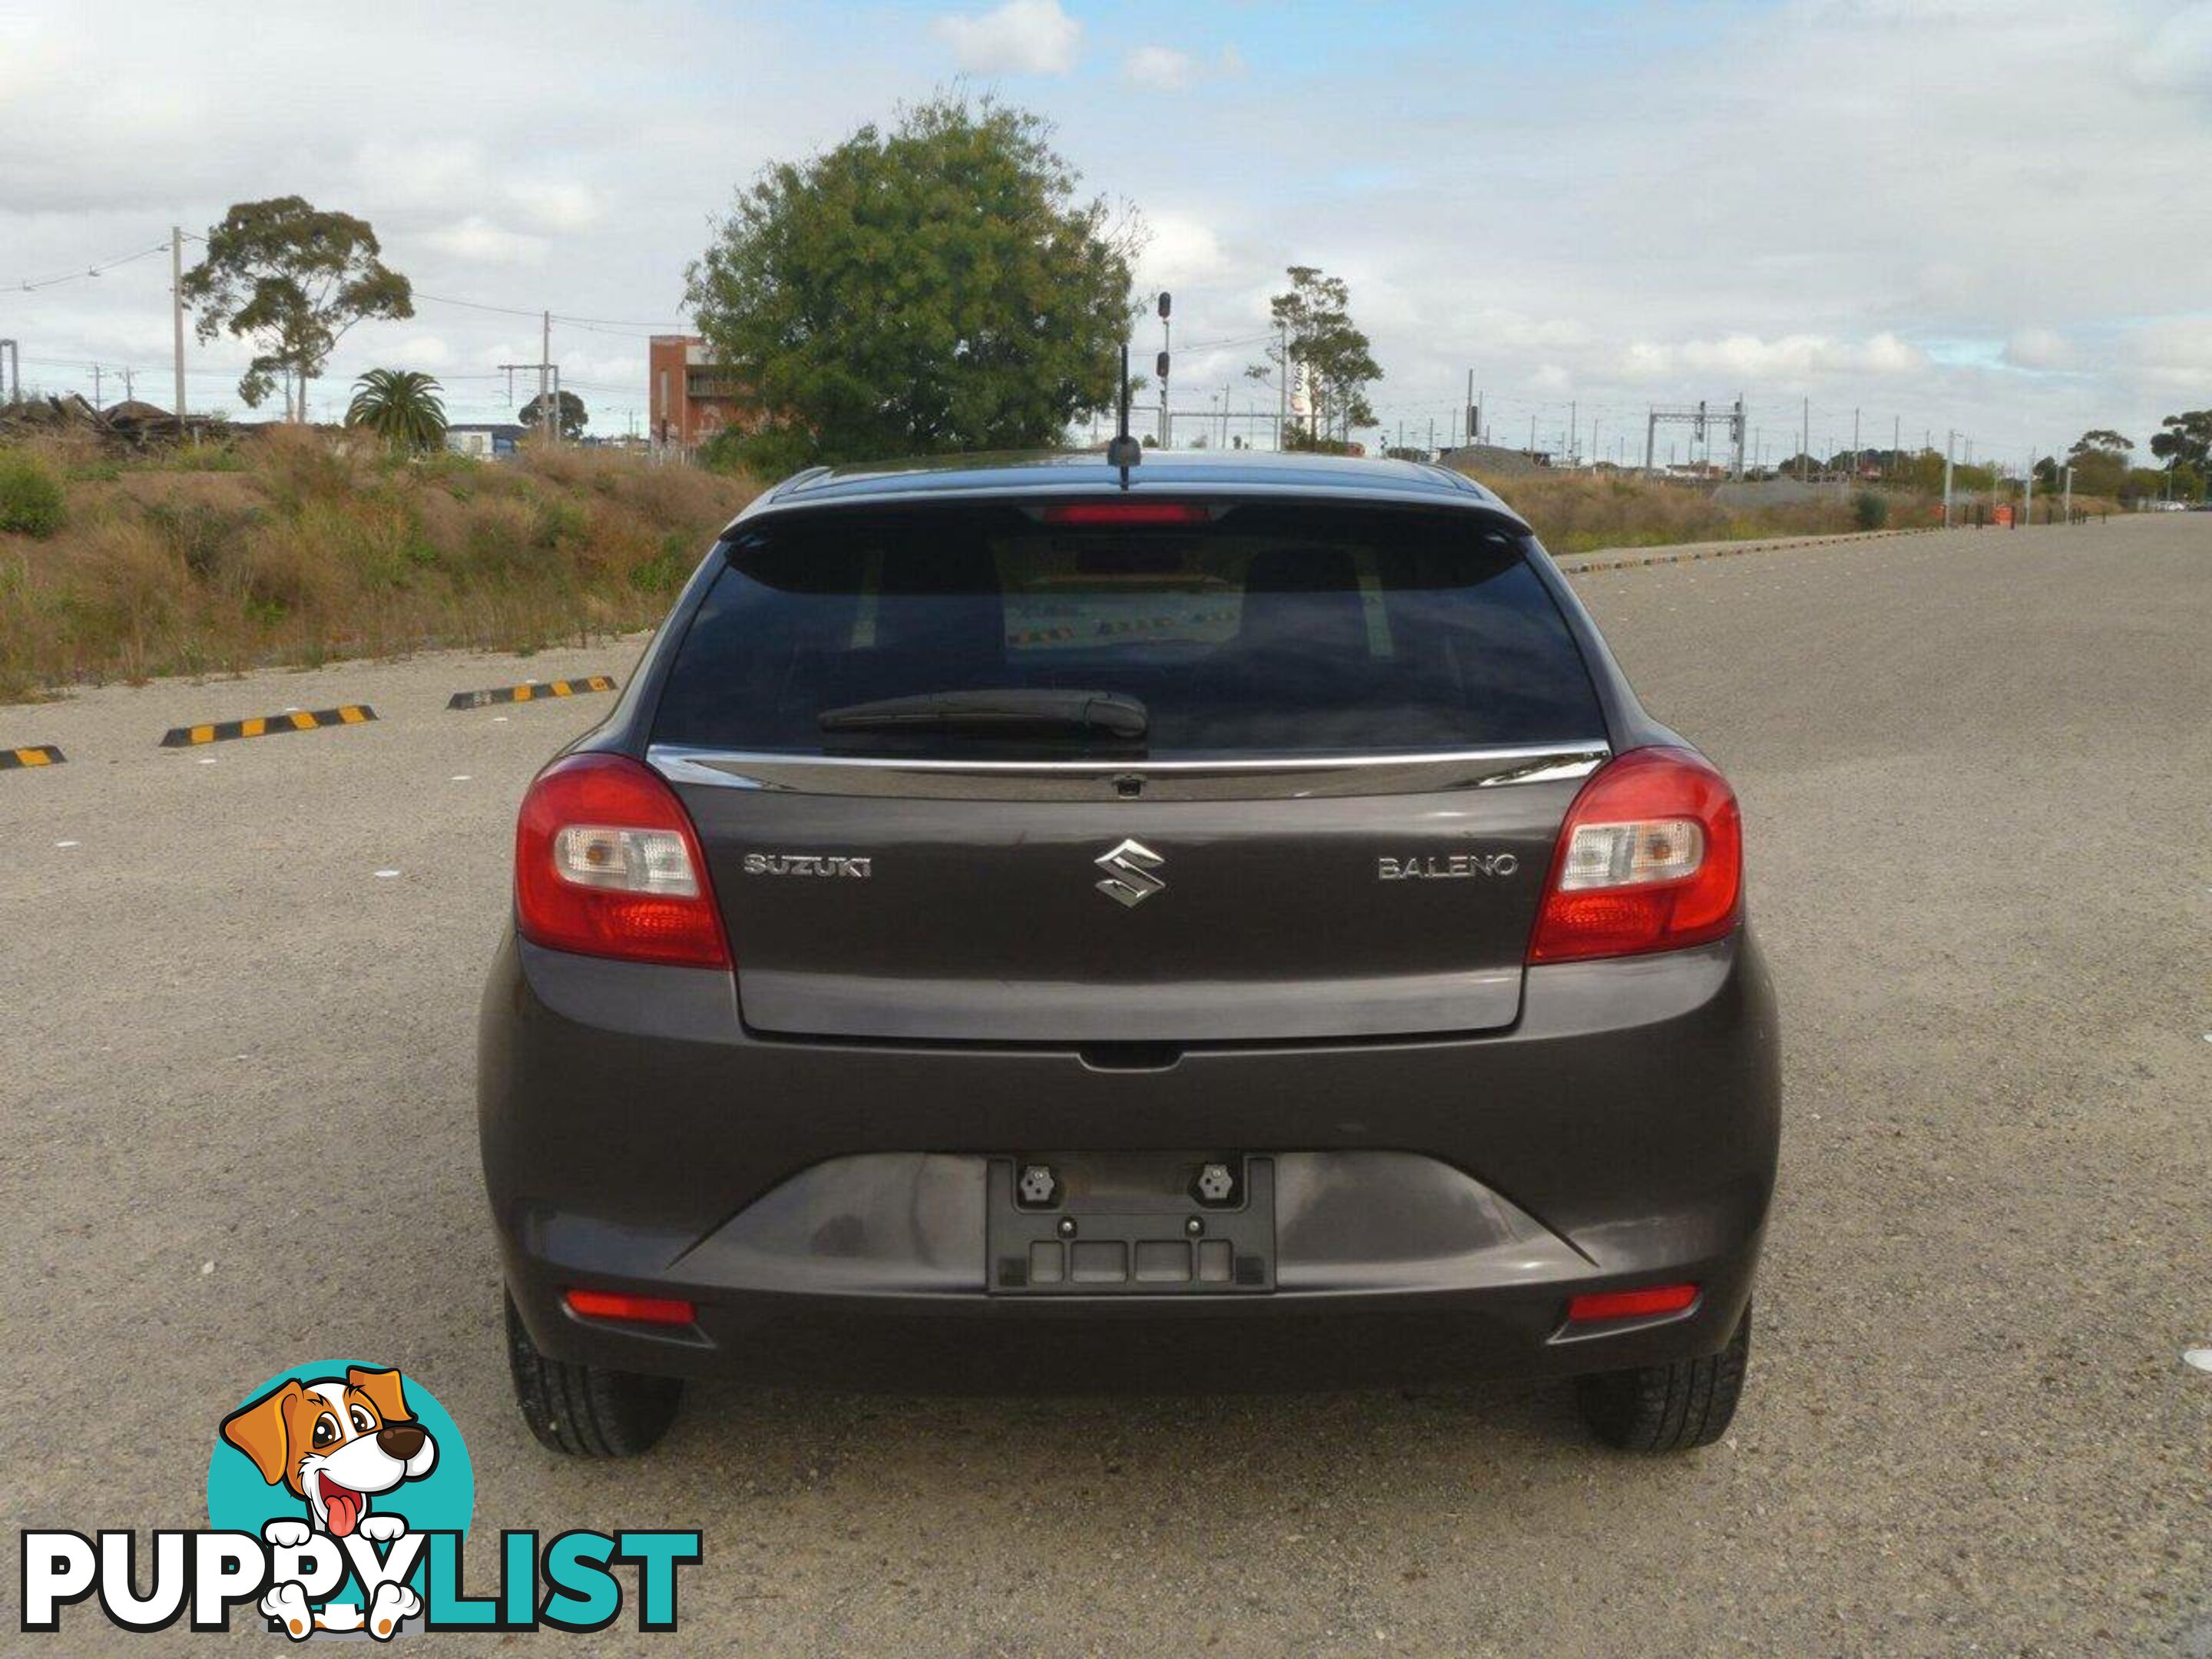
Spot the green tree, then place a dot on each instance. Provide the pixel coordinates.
(2100, 460)
(1314, 320)
(935, 286)
(401, 406)
(571, 419)
(2099, 441)
(2184, 440)
(292, 279)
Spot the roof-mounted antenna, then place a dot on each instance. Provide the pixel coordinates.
(1125, 452)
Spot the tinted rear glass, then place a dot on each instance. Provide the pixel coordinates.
(1272, 630)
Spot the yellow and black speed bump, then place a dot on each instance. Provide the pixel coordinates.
(530, 693)
(43, 754)
(267, 726)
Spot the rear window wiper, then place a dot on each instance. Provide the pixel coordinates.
(1014, 711)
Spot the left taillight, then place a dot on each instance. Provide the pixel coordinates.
(1651, 858)
(606, 864)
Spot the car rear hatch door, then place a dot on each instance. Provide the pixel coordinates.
(1269, 772)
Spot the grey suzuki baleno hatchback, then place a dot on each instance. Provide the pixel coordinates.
(1239, 923)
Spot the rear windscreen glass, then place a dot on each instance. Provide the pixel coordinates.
(1270, 630)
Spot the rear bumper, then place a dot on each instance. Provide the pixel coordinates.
(1439, 1199)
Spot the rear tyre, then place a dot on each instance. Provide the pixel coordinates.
(587, 1410)
(1672, 1408)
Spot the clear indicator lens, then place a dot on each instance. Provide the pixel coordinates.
(627, 860)
(1632, 854)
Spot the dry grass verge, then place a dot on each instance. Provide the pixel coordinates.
(1580, 512)
(298, 547)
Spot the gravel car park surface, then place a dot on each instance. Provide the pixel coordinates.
(240, 1003)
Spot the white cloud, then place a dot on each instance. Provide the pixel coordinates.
(1161, 68)
(424, 351)
(433, 175)
(2040, 348)
(2179, 55)
(477, 241)
(1515, 332)
(1183, 250)
(1022, 37)
(2174, 356)
(557, 205)
(1792, 357)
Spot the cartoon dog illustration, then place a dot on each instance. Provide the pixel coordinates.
(336, 1442)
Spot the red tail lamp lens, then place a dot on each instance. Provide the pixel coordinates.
(1630, 1304)
(635, 1310)
(1651, 858)
(606, 864)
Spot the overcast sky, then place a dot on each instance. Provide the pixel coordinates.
(1992, 217)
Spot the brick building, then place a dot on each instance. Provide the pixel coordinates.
(691, 396)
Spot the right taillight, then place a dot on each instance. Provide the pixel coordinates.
(606, 864)
(1651, 858)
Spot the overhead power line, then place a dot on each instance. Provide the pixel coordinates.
(31, 284)
(598, 323)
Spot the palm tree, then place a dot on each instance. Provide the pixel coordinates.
(399, 405)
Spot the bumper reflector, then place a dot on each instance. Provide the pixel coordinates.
(1630, 1304)
(637, 1310)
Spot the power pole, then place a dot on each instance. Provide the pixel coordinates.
(2069, 493)
(96, 385)
(1282, 385)
(2027, 489)
(15, 381)
(1950, 443)
(1896, 438)
(1805, 441)
(1596, 453)
(177, 313)
(1854, 443)
(546, 412)
(1574, 432)
(130, 385)
(549, 423)
(1650, 439)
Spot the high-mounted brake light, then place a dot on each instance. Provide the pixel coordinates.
(1651, 858)
(1128, 513)
(606, 864)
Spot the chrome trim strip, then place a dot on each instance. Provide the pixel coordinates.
(1258, 778)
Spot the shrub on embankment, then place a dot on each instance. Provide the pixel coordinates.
(30, 495)
(290, 546)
